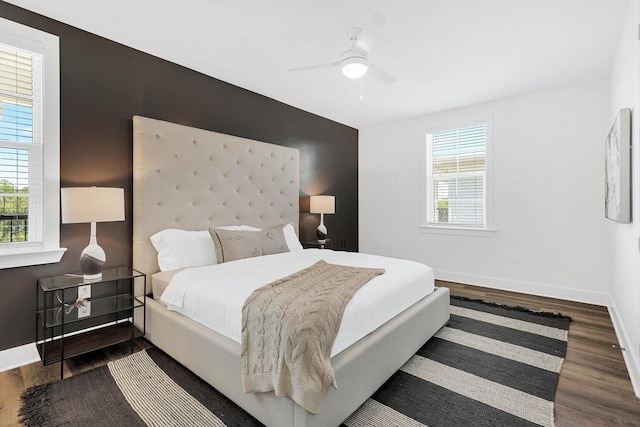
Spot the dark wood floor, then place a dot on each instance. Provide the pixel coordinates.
(594, 387)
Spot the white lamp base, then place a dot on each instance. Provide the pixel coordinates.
(321, 232)
(92, 258)
(89, 277)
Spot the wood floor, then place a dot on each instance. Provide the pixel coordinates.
(594, 387)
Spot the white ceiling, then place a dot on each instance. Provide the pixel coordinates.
(444, 53)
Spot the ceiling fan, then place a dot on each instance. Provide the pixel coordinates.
(354, 62)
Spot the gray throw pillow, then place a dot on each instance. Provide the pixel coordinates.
(232, 245)
(273, 241)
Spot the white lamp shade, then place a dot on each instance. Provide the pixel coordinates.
(92, 204)
(322, 204)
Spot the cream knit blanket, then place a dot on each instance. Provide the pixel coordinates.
(289, 327)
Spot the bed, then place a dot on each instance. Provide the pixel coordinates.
(192, 179)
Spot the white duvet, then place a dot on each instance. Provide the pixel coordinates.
(213, 295)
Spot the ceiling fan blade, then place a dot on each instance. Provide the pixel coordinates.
(313, 67)
(369, 34)
(381, 74)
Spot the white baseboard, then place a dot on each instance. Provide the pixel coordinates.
(18, 356)
(631, 357)
(537, 289)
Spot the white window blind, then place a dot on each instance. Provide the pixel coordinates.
(456, 177)
(20, 145)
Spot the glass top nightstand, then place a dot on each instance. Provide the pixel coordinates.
(74, 280)
(337, 245)
(75, 316)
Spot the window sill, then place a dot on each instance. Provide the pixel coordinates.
(457, 231)
(30, 257)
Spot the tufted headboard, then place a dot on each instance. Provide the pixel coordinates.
(193, 179)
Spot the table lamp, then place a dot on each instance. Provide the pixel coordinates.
(92, 204)
(322, 205)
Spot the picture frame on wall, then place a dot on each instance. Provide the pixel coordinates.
(617, 201)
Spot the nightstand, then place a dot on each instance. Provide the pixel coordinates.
(75, 316)
(337, 245)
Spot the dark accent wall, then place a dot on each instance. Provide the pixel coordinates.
(103, 84)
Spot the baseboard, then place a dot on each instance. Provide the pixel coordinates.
(631, 358)
(537, 289)
(18, 356)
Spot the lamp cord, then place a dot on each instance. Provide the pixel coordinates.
(80, 302)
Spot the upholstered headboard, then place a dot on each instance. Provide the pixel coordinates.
(193, 179)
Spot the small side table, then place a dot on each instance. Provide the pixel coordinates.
(69, 303)
(336, 245)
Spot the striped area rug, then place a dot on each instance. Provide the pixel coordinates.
(490, 366)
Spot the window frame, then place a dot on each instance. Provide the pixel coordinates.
(47, 249)
(488, 230)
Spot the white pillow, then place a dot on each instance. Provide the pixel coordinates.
(181, 248)
(291, 238)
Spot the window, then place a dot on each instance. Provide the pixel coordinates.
(20, 144)
(29, 146)
(457, 178)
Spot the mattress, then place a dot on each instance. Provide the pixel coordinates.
(160, 281)
(214, 295)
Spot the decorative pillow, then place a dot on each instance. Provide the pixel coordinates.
(291, 238)
(231, 245)
(180, 249)
(273, 241)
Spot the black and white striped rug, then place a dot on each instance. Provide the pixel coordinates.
(490, 366)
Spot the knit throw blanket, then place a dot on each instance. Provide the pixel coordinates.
(289, 327)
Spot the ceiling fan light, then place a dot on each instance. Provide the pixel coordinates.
(355, 67)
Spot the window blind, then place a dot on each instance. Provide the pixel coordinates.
(457, 179)
(20, 145)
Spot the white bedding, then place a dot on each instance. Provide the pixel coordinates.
(214, 295)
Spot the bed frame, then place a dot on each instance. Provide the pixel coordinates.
(193, 179)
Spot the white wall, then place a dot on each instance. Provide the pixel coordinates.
(625, 258)
(548, 182)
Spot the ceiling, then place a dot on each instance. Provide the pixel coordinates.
(444, 53)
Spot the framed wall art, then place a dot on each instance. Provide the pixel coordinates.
(617, 200)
